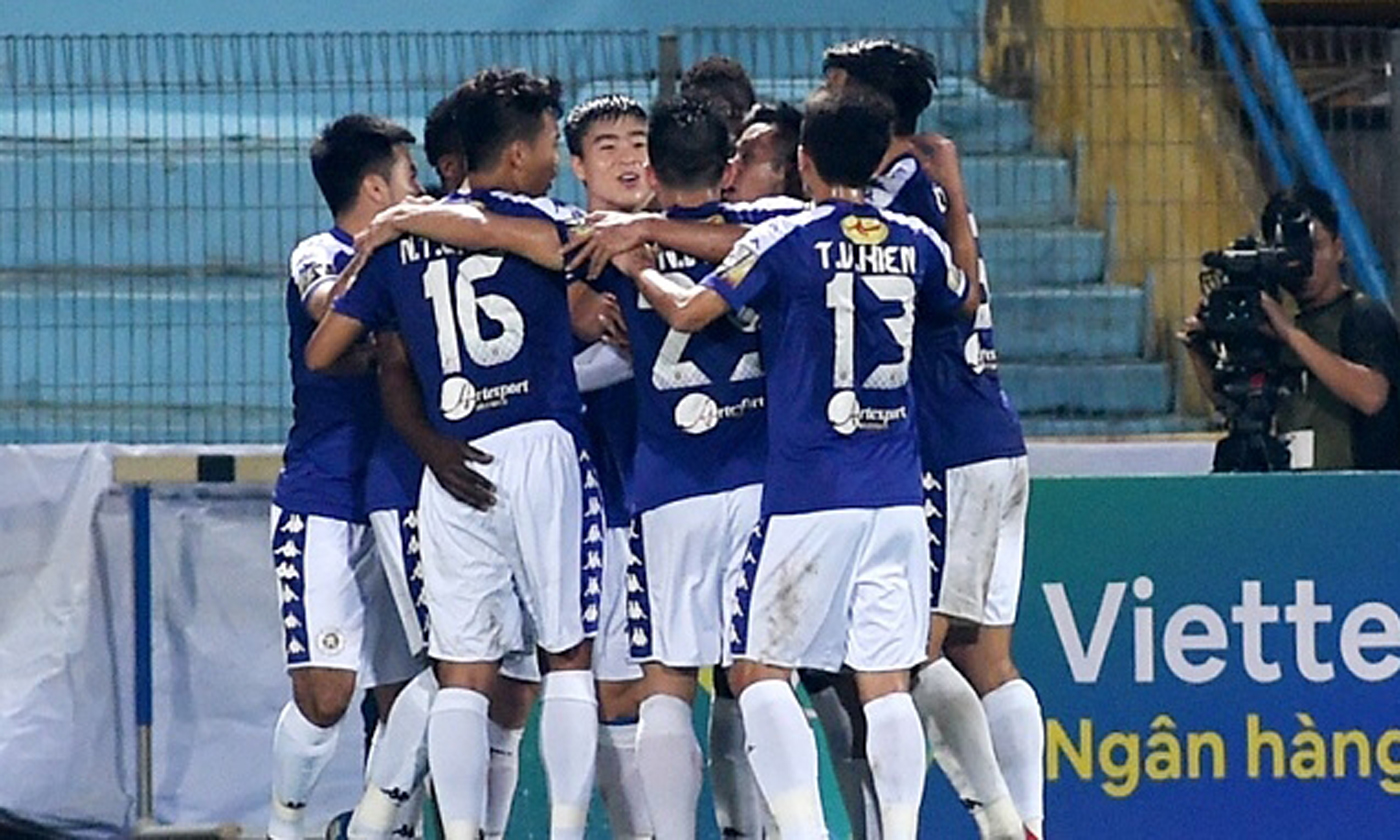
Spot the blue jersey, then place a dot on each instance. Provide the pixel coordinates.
(964, 415)
(335, 419)
(836, 288)
(488, 333)
(700, 418)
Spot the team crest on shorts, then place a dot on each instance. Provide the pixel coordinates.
(330, 642)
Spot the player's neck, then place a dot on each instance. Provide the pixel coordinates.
(837, 192)
(496, 179)
(356, 220)
(687, 197)
(900, 146)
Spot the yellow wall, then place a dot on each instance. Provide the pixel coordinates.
(1117, 80)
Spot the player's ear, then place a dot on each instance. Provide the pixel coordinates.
(374, 188)
(576, 164)
(652, 183)
(805, 168)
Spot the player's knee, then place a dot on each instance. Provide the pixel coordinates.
(577, 658)
(323, 702)
(985, 670)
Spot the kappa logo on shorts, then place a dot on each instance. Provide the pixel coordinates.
(935, 502)
(289, 546)
(413, 566)
(638, 603)
(739, 622)
(590, 545)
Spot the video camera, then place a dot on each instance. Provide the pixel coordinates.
(1246, 372)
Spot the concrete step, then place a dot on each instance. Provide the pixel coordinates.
(979, 122)
(1092, 322)
(1020, 258)
(1058, 425)
(1126, 387)
(1034, 190)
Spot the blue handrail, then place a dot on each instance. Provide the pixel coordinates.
(1258, 117)
(1317, 162)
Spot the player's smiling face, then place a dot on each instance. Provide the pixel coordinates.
(613, 164)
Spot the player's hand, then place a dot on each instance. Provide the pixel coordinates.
(451, 464)
(938, 155)
(634, 262)
(383, 228)
(599, 318)
(603, 236)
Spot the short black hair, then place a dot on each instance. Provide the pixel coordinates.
(846, 133)
(687, 143)
(723, 82)
(787, 128)
(609, 106)
(349, 149)
(440, 135)
(1284, 204)
(905, 73)
(498, 106)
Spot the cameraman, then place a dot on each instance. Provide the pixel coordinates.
(1345, 345)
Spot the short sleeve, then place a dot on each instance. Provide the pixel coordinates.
(1371, 337)
(943, 287)
(743, 276)
(368, 300)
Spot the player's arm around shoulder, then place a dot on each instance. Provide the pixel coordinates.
(466, 225)
(946, 285)
(688, 309)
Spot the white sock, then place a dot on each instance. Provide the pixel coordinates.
(852, 769)
(894, 739)
(738, 804)
(1018, 736)
(668, 756)
(568, 749)
(300, 751)
(619, 782)
(957, 733)
(458, 753)
(783, 754)
(397, 763)
(501, 777)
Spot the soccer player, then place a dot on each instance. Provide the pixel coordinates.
(391, 802)
(832, 574)
(489, 338)
(607, 141)
(975, 474)
(765, 155)
(699, 464)
(333, 593)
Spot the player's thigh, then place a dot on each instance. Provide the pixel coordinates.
(546, 482)
(322, 612)
(974, 496)
(469, 588)
(397, 545)
(791, 609)
(612, 658)
(888, 606)
(391, 651)
(1004, 589)
(689, 550)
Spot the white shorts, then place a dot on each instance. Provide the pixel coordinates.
(337, 610)
(687, 563)
(396, 542)
(977, 537)
(494, 577)
(835, 587)
(612, 659)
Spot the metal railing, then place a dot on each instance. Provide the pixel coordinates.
(151, 187)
